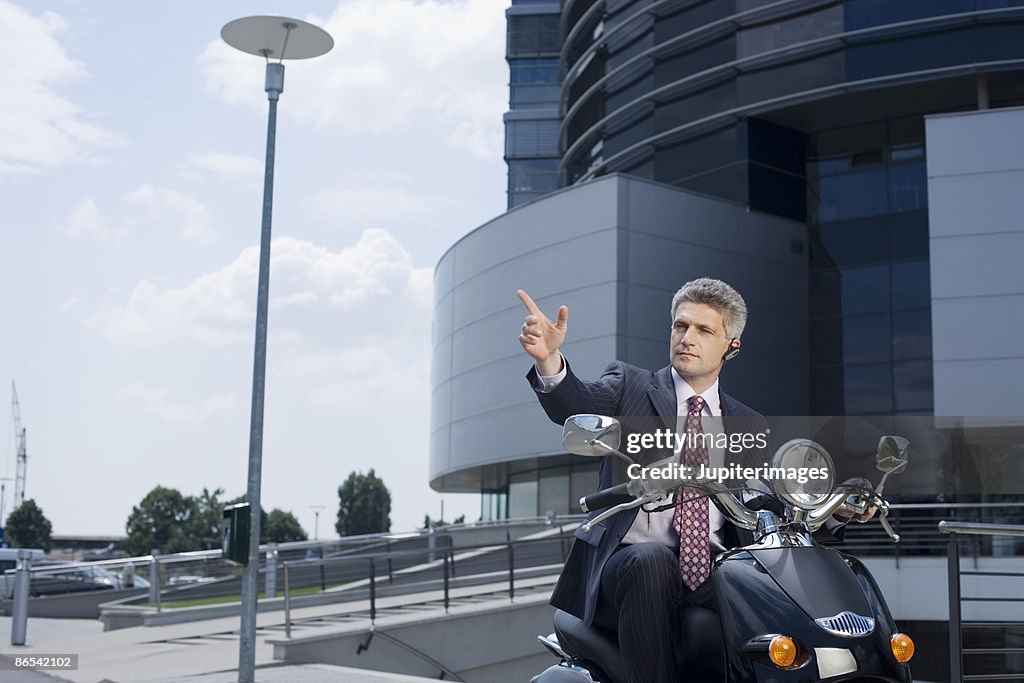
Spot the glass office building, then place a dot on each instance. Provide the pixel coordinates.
(531, 124)
(798, 125)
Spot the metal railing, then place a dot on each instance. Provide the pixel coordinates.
(205, 574)
(428, 569)
(956, 600)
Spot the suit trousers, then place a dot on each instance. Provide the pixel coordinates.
(641, 594)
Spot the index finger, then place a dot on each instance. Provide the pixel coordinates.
(528, 302)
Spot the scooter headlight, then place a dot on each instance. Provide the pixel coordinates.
(902, 647)
(802, 473)
(782, 651)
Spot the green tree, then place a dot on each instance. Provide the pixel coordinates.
(28, 527)
(282, 527)
(206, 525)
(164, 519)
(461, 519)
(364, 505)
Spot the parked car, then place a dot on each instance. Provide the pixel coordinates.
(50, 577)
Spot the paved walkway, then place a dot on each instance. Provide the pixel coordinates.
(203, 652)
(207, 651)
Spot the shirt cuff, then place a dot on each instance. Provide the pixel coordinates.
(546, 385)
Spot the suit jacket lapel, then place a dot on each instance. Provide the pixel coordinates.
(663, 395)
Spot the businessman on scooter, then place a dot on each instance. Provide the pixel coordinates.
(632, 573)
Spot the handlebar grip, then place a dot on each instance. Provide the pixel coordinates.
(606, 498)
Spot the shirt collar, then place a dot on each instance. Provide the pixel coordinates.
(712, 401)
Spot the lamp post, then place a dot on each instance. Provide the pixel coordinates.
(316, 524)
(277, 38)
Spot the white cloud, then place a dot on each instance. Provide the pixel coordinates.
(154, 402)
(394, 63)
(68, 303)
(87, 221)
(373, 200)
(190, 216)
(44, 128)
(223, 165)
(316, 294)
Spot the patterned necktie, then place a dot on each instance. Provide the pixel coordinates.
(691, 516)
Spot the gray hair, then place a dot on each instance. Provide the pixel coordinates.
(717, 295)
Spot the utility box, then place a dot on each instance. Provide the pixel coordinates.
(235, 533)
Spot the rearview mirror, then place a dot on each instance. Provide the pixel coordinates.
(582, 432)
(892, 454)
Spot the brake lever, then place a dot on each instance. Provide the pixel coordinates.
(883, 518)
(636, 502)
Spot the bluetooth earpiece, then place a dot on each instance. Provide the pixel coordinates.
(734, 350)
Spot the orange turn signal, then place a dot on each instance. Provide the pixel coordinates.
(902, 647)
(782, 651)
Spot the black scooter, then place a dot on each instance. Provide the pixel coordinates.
(789, 610)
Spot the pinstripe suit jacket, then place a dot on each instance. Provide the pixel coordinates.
(643, 401)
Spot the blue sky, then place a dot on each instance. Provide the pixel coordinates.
(131, 178)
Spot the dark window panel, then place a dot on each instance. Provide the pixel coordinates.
(827, 391)
(521, 96)
(622, 138)
(774, 145)
(849, 140)
(912, 334)
(553, 490)
(999, 42)
(865, 289)
(799, 29)
(908, 235)
(694, 106)
(866, 13)
(996, 4)
(825, 293)
(911, 284)
(787, 79)
(531, 138)
(856, 243)
(696, 15)
(726, 183)
(913, 385)
(625, 92)
(522, 494)
(867, 339)
(828, 166)
(621, 48)
(696, 59)
(691, 157)
(868, 389)
(853, 195)
(543, 70)
(583, 479)
(911, 53)
(826, 342)
(908, 186)
(533, 35)
(777, 192)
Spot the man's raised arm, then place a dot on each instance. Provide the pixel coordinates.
(541, 338)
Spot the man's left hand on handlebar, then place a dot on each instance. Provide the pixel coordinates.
(846, 513)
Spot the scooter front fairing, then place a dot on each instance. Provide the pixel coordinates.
(824, 600)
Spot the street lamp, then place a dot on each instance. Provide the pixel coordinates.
(277, 38)
(316, 525)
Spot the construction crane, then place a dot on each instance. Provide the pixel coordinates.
(19, 435)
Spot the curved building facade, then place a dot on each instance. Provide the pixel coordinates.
(851, 167)
(805, 109)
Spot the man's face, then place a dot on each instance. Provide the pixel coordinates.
(698, 342)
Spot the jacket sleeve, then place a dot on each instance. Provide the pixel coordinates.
(574, 396)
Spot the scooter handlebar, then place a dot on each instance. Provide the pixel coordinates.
(612, 495)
